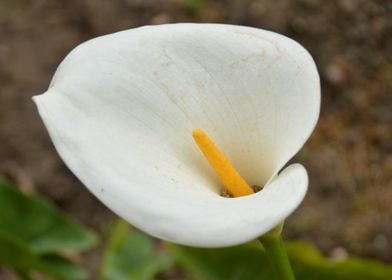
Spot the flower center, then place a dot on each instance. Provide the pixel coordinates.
(230, 178)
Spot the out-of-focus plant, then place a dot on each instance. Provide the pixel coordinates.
(35, 237)
(194, 7)
(249, 262)
(130, 254)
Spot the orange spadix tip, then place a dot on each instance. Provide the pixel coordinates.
(198, 133)
(227, 174)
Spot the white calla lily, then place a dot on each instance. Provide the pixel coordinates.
(121, 110)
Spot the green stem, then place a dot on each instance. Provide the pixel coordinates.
(276, 252)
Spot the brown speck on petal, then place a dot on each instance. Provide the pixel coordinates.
(225, 193)
(257, 188)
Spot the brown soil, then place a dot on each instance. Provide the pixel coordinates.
(349, 204)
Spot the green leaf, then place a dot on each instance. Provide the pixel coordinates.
(16, 253)
(62, 268)
(308, 263)
(249, 261)
(233, 263)
(194, 6)
(38, 223)
(130, 254)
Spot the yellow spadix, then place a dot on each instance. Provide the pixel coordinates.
(230, 178)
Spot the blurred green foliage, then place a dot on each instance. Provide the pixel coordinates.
(129, 254)
(34, 236)
(194, 7)
(308, 263)
(40, 224)
(249, 261)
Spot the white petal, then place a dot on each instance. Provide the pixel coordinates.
(121, 109)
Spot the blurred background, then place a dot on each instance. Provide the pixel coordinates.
(348, 208)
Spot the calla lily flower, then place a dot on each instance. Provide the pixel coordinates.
(121, 109)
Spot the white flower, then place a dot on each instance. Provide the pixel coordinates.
(121, 110)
